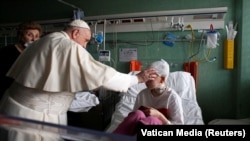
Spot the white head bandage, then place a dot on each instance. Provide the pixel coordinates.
(79, 23)
(161, 66)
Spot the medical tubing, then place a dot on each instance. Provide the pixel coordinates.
(104, 34)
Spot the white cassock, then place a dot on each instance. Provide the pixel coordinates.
(49, 73)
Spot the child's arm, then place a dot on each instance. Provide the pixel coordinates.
(154, 112)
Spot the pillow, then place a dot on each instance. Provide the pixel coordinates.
(183, 83)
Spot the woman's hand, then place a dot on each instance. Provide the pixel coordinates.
(147, 74)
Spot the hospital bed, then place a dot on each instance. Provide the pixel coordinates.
(184, 85)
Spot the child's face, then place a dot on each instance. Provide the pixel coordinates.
(156, 83)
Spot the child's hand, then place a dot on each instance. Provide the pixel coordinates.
(152, 112)
(143, 108)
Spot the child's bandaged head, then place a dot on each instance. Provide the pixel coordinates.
(162, 68)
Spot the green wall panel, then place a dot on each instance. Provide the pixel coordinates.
(243, 57)
(221, 93)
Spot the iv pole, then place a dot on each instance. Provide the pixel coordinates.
(77, 14)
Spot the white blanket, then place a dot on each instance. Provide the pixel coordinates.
(184, 85)
(83, 102)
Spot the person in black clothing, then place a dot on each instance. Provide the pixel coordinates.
(27, 33)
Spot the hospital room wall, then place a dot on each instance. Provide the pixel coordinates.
(215, 102)
(242, 77)
(221, 93)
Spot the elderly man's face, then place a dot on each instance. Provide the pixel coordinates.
(84, 36)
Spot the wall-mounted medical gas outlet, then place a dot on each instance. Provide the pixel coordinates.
(104, 55)
(200, 18)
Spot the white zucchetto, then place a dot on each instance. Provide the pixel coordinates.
(79, 23)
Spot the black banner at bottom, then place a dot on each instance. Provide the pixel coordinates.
(194, 132)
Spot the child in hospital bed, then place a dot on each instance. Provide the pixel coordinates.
(155, 105)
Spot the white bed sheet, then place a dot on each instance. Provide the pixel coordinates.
(184, 85)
